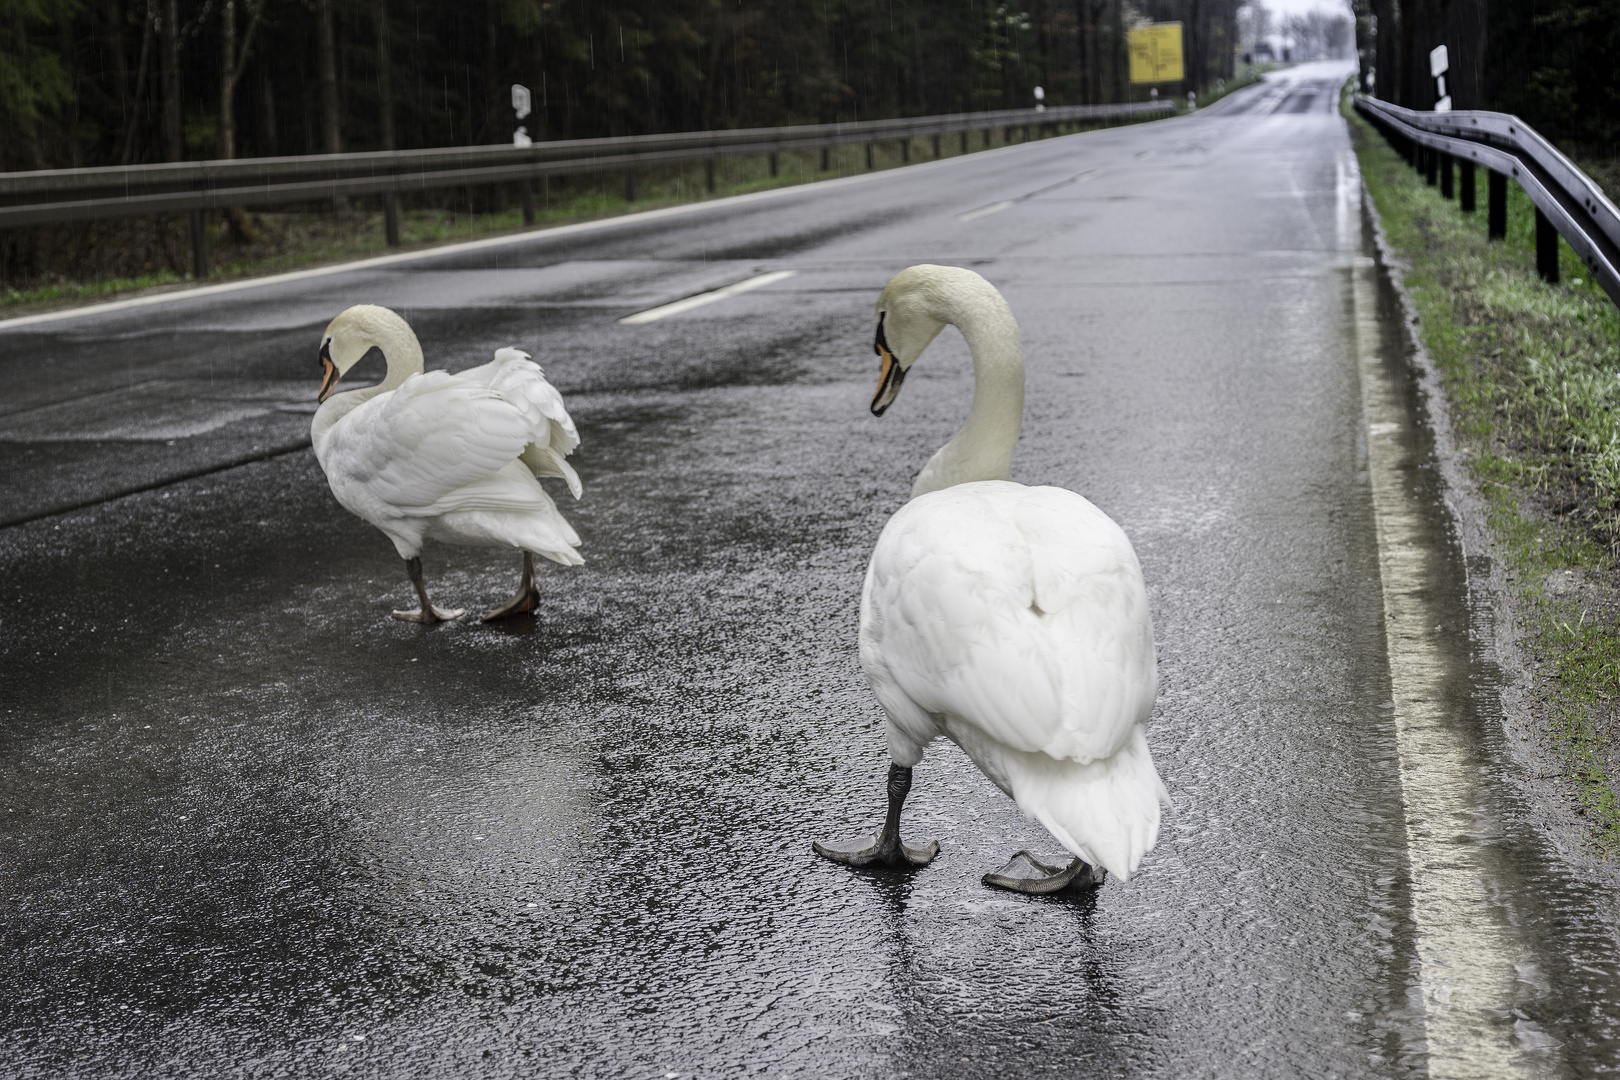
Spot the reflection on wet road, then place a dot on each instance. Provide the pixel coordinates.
(253, 826)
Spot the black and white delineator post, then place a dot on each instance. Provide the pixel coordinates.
(1040, 99)
(520, 105)
(1439, 64)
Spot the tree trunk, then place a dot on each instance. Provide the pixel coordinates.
(225, 141)
(169, 53)
(331, 133)
(1465, 42)
(385, 77)
(127, 151)
(267, 142)
(1387, 47)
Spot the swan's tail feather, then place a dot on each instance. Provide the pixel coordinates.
(1106, 812)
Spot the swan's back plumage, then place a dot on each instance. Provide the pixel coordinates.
(1014, 620)
(552, 433)
(456, 457)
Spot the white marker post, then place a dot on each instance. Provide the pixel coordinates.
(1040, 99)
(520, 105)
(1439, 64)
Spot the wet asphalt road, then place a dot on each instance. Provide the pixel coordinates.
(253, 826)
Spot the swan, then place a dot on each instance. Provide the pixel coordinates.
(1012, 620)
(455, 458)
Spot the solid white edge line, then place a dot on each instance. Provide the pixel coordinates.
(663, 311)
(538, 234)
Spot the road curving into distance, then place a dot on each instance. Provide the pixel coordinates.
(252, 826)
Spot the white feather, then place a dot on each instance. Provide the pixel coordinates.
(455, 458)
(1012, 620)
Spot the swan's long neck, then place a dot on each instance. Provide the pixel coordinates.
(404, 355)
(983, 448)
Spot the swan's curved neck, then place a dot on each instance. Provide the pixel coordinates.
(983, 448)
(400, 349)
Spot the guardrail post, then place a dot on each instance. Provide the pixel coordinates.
(199, 245)
(1447, 187)
(1496, 206)
(964, 140)
(987, 132)
(868, 155)
(528, 201)
(905, 151)
(773, 162)
(708, 174)
(936, 147)
(391, 213)
(629, 185)
(1431, 166)
(1546, 249)
(1465, 189)
(826, 155)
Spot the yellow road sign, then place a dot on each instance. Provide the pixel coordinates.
(1156, 53)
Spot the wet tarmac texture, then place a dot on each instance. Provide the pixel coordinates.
(252, 826)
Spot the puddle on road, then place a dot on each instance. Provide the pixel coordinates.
(1512, 970)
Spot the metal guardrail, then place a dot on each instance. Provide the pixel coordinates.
(46, 197)
(1568, 203)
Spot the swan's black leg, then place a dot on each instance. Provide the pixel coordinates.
(527, 598)
(1026, 874)
(427, 613)
(883, 848)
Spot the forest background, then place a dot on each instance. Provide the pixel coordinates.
(117, 82)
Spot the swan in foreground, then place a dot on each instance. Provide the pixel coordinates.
(455, 458)
(1012, 620)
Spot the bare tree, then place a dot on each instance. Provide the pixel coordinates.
(232, 58)
(169, 54)
(326, 49)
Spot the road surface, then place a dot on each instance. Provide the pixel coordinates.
(252, 826)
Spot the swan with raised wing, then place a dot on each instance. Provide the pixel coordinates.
(454, 458)
(1012, 620)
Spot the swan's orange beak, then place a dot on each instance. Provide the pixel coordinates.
(888, 382)
(893, 374)
(329, 374)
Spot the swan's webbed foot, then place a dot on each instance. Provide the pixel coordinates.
(877, 850)
(427, 614)
(883, 848)
(1026, 874)
(527, 597)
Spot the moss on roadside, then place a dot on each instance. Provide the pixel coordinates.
(1532, 374)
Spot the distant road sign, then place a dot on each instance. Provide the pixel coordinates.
(1156, 53)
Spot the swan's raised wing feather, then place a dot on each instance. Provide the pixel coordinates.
(413, 449)
(553, 435)
(1020, 611)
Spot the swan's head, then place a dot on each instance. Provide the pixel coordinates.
(353, 334)
(916, 305)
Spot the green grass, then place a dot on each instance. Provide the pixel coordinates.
(1532, 373)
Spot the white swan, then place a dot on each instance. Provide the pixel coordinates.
(1012, 620)
(454, 458)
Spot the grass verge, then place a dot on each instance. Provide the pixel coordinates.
(1532, 374)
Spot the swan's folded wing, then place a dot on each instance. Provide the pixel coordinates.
(1019, 612)
(553, 434)
(413, 447)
